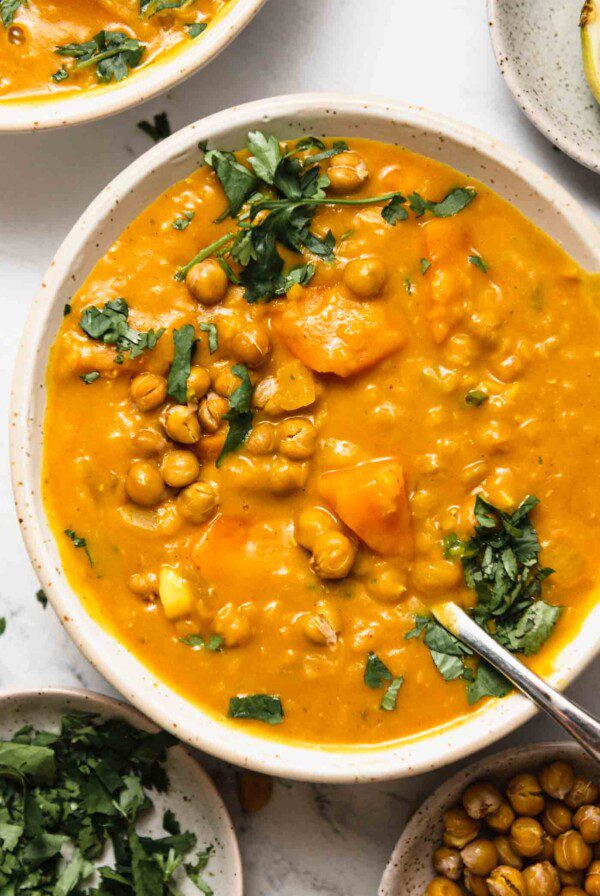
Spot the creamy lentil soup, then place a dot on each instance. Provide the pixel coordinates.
(53, 47)
(305, 395)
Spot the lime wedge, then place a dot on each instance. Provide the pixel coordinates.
(590, 44)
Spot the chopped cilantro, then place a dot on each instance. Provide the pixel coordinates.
(213, 336)
(41, 598)
(113, 53)
(388, 701)
(60, 74)
(179, 371)
(184, 221)
(213, 644)
(67, 310)
(376, 672)
(476, 397)
(90, 377)
(488, 682)
(79, 542)
(159, 130)
(151, 8)
(408, 286)
(453, 203)
(8, 10)
(262, 707)
(2, 625)
(394, 211)
(239, 415)
(109, 325)
(195, 29)
(425, 265)
(478, 261)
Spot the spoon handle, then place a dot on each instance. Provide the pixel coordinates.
(580, 725)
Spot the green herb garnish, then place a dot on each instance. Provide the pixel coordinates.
(109, 325)
(113, 53)
(488, 682)
(239, 415)
(2, 625)
(388, 701)
(159, 130)
(262, 707)
(453, 203)
(89, 377)
(213, 644)
(184, 221)
(476, 397)
(213, 336)
(478, 261)
(67, 310)
(8, 10)
(195, 29)
(41, 598)
(79, 542)
(376, 672)
(60, 75)
(425, 265)
(447, 652)
(149, 8)
(179, 371)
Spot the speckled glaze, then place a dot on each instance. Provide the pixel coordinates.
(192, 796)
(538, 48)
(536, 194)
(37, 115)
(409, 869)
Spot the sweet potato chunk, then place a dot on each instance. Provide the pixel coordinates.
(332, 333)
(371, 500)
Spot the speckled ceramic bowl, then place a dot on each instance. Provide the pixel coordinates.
(142, 85)
(409, 869)
(539, 197)
(538, 48)
(192, 796)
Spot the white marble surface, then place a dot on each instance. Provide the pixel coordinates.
(331, 841)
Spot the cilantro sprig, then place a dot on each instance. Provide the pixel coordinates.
(109, 325)
(273, 199)
(239, 415)
(8, 10)
(113, 53)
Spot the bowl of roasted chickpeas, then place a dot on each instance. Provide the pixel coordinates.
(525, 822)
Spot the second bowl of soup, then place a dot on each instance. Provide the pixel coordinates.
(316, 384)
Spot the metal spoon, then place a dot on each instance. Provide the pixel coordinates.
(580, 725)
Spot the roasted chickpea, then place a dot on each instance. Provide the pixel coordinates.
(144, 484)
(311, 523)
(525, 795)
(459, 828)
(333, 555)
(251, 346)
(572, 891)
(501, 819)
(587, 822)
(148, 390)
(226, 381)
(448, 862)
(386, 583)
(506, 881)
(526, 836)
(475, 884)
(207, 282)
(211, 411)
(182, 425)
(592, 880)
(557, 778)
(571, 878)
(546, 853)
(144, 583)
(285, 477)
(506, 853)
(441, 886)
(571, 852)
(481, 799)
(347, 172)
(198, 382)
(297, 438)
(324, 626)
(262, 439)
(180, 468)
(198, 502)
(266, 396)
(480, 857)
(541, 879)
(556, 818)
(365, 277)
(583, 793)
(232, 625)
(148, 442)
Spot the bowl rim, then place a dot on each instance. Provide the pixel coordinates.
(525, 756)
(536, 114)
(292, 760)
(157, 78)
(132, 715)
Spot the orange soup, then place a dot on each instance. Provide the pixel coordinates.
(311, 390)
(52, 47)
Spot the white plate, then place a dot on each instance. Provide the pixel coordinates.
(536, 194)
(141, 85)
(192, 795)
(409, 869)
(538, 48)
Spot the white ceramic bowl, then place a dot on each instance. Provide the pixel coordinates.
(513, 177)
(192, 796)
(409, 870)
(142, 85)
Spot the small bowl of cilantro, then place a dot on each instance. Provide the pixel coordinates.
(94, 799)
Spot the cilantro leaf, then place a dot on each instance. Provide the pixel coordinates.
(79, 542)
(179, 371)
(150, 8)
(376, 672)
(394, 211)
(239, 415)
(262, 707)
(2, 625)
(265, 155)
(213, 644)
(183, 221)
(195, 29)
(488, 682)
(447, 652)
(28, 761)
(213, 336)
(529, 631)
(388, 701)
(89, 378)
(113, 53)
(453, 203)
(109, 325)
(478, 261)
(8, 10)
(41, 598)
(425, 265)
(476, 397)
(237, 181)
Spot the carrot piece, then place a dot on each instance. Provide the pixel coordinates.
(332, 333)
(371, 500)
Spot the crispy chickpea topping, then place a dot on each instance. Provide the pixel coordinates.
(207, 282)
(148, 390)
(182, 425)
